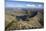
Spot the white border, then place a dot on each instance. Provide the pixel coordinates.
(44, 15)
(2, 21)
(2, 18)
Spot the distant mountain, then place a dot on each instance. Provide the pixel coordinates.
(23, 9)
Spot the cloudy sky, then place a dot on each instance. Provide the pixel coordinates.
(27, 0)
(26, 3)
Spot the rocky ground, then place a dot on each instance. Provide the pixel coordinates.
(12, 24)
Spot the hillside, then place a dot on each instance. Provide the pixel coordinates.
(12, 23)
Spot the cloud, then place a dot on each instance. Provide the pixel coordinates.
(30, 5)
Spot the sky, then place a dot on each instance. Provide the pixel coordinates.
(23, 4)
(27, 0)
